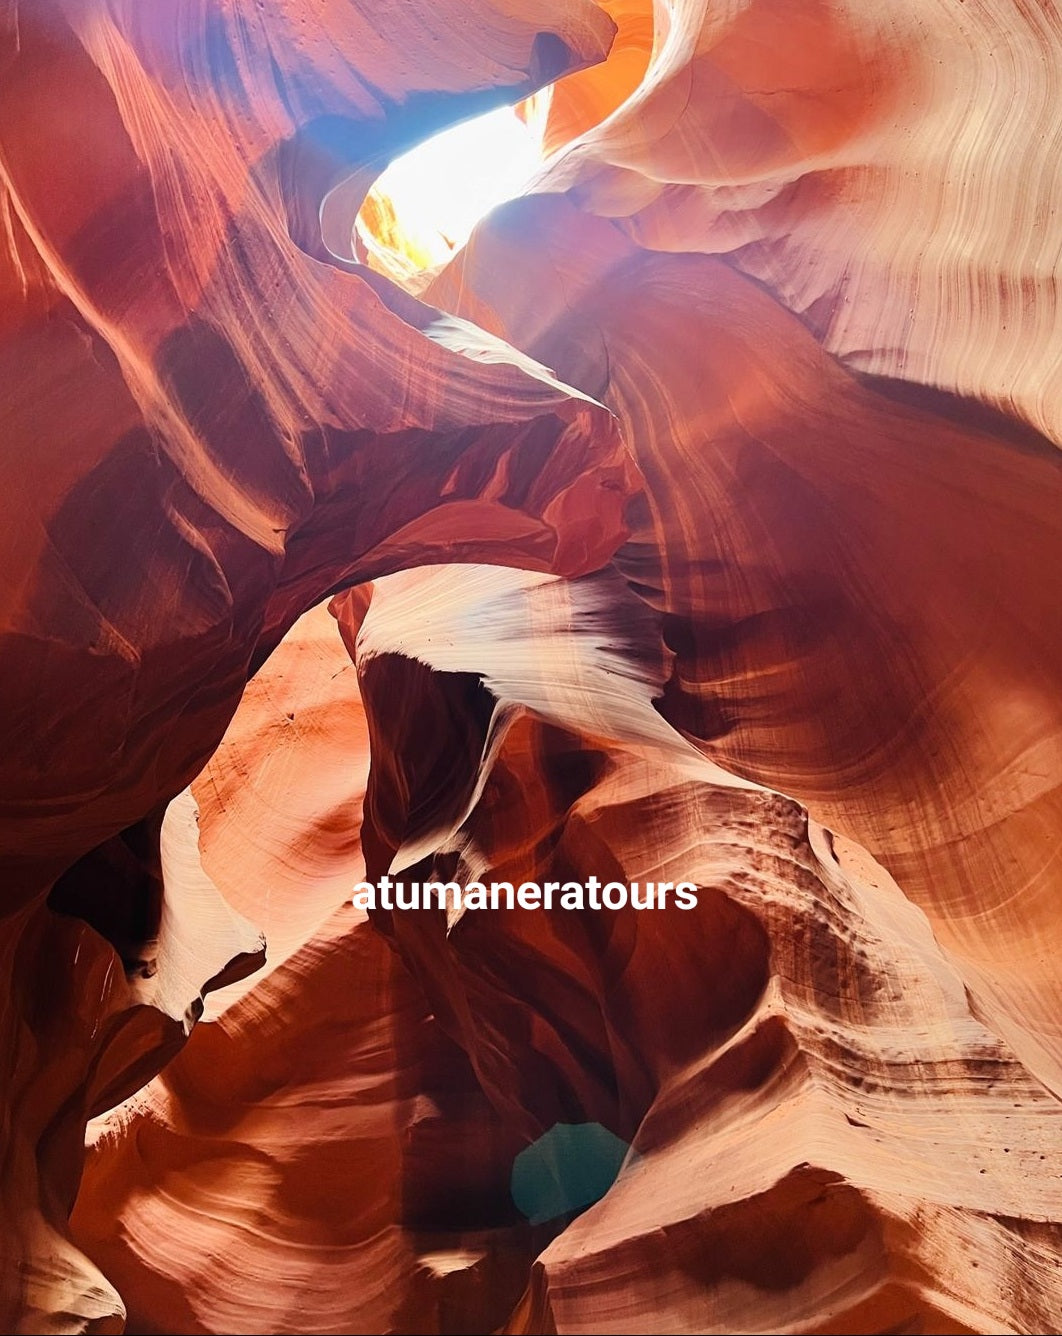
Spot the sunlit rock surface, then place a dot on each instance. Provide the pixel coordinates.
(741, 427)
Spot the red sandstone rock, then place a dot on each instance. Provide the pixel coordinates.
(208, 428)
(807, 261)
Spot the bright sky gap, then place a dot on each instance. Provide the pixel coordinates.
(441, 188)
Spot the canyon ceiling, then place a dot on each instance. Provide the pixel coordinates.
(700, 520)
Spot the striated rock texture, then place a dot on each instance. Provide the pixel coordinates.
(207, 428)
(700, 521)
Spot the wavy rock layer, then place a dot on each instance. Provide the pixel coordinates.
(208, 429)
(793, 273)
(850, 622)
(823, 1134)
(886, 172)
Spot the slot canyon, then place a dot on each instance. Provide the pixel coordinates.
(697, 520)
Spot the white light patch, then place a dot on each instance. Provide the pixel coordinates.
(443, 187)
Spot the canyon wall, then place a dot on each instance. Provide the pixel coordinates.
(700, 521)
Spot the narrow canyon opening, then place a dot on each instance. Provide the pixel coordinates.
(424, 205)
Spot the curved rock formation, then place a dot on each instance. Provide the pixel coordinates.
(183, 481)
(869, 635)
(756, 395)
(823, 1134)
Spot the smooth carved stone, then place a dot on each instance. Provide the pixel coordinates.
(859, 586)
(210, 424)
(710, 494)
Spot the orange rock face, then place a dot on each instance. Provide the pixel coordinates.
(699, 523)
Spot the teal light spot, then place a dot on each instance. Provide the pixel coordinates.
(569, 1167)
